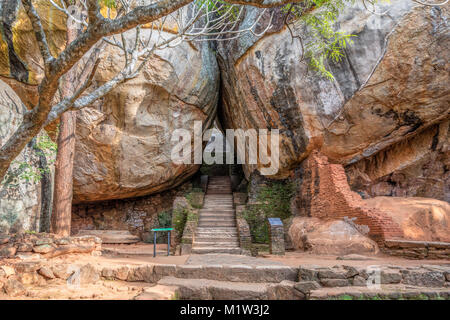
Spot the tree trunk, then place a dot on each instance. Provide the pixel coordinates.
(63, 191)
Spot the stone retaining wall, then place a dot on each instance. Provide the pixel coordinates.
(245, 239)
(417, 249)
(44, 245)
(281, 282)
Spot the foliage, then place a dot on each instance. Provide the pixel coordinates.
(180, 215)
(192, 216)
(165, 219)
(319, 17)
(10, 217)
(25, 171)
(108, 3)
(221, 7)
(193, 196)
(273, 201)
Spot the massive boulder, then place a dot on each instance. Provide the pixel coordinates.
(420, 219)
(391, 85)
(124, 146)
(416, 167)
(20, 58)
(335, 237)
(26, 191)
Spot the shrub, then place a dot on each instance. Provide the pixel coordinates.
(273, 202)
(179, 220)
(195, 198)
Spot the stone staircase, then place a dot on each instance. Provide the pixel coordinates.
(216, 230)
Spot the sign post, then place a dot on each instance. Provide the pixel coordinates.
(276, 236)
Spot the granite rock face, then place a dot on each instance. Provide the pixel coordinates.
(20, 58)
(124, 143)
(421, 219)
(390, 86)
(415, 167)
(24, 201)
(329, 237)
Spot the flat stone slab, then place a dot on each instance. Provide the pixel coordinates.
(111, 236)
(419, 244)
(391, 292)
(230, 259)
(354, 257)
(203, 289)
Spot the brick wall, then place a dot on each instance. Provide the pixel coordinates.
(323, 192)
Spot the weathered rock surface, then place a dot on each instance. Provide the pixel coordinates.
(420, 218)
(13, 287)
(111, 236)
(416, 167)
(138, 215)
(391, 85)
(124, 143)
(20, 58)
(329, 237)
(24, 201)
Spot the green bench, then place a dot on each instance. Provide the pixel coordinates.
(168, 239)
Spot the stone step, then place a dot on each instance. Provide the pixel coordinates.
(217, 213)
(213, 221)
(391, 292)
(202, 289)
(213, 207)
(217, 192)
(224, 197)
(219, 202)
(217, 224)
(227, 235)
(205, 250)
(219, 221)
(222, 272)
(217, 216)
(222, 240)
(210, 238)
(216, 230)
(216, 235)
(213, 244)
